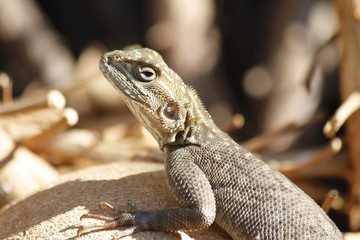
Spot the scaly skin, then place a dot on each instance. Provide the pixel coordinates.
(213, 178)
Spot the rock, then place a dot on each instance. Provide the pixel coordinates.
(54, 212)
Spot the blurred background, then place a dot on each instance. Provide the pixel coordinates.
(242, 56)
(268, 72)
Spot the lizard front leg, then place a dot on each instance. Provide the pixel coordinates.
(192, 189)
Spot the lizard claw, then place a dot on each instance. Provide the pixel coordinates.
(119, 219)
(106, 226)
(107, 207)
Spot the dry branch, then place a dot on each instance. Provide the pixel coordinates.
(6, 86)
(347, 108)
(53, 99)
(350, 83)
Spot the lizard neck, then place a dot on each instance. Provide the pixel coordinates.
(197, 120)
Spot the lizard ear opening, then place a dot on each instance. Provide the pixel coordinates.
(171, 117)
(170, 111)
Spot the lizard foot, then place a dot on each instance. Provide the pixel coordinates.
(118, 219)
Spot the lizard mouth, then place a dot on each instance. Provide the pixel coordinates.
(120, 79)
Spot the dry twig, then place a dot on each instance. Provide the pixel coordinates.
(347, 108)
(350, 83)
(53, 99)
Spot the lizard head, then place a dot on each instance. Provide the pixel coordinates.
(155, 94)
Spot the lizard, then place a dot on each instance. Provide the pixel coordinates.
(214, 179)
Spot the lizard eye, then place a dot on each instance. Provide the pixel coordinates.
(170, 111)
(147, 73)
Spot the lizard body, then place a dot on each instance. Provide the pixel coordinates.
(213, 178)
